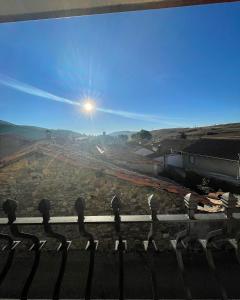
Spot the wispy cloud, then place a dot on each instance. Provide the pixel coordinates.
(31, 90)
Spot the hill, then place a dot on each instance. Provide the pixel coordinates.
(15, 137)
(5, 123)
(117, 133)
(10, 144)
(228, 131)
(32, 132)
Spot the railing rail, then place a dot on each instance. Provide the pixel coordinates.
(105, 219)
(225, 222)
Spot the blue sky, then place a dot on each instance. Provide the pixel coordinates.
(150, 69)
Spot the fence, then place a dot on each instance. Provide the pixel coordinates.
(225, 234)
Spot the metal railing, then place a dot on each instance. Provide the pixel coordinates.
(226, 233)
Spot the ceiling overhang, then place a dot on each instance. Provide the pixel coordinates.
(22, 10)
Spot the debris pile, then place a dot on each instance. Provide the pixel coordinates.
(214, 202)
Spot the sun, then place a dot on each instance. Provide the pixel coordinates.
(89, 106)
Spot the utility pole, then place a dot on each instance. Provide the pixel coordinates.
(238, 175)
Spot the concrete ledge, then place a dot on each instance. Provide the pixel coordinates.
(14, 10)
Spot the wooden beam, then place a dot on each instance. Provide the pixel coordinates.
(15, 10)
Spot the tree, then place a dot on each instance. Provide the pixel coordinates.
(48, 134)
(145, 135)
(183, 135)
(123, 138)
(142, 135)
(135, 136)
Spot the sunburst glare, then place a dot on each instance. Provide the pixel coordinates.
(88, 106)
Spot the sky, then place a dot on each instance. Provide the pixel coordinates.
(175, 67)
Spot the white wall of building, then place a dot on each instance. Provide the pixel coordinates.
(203, 164)
(211, 165)
(174, 160)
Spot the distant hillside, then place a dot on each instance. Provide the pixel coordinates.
(117, 133)
(223, 148)
(31, 132)
(15, 137)
(228, 131)
(10, 143)
(5, 123)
